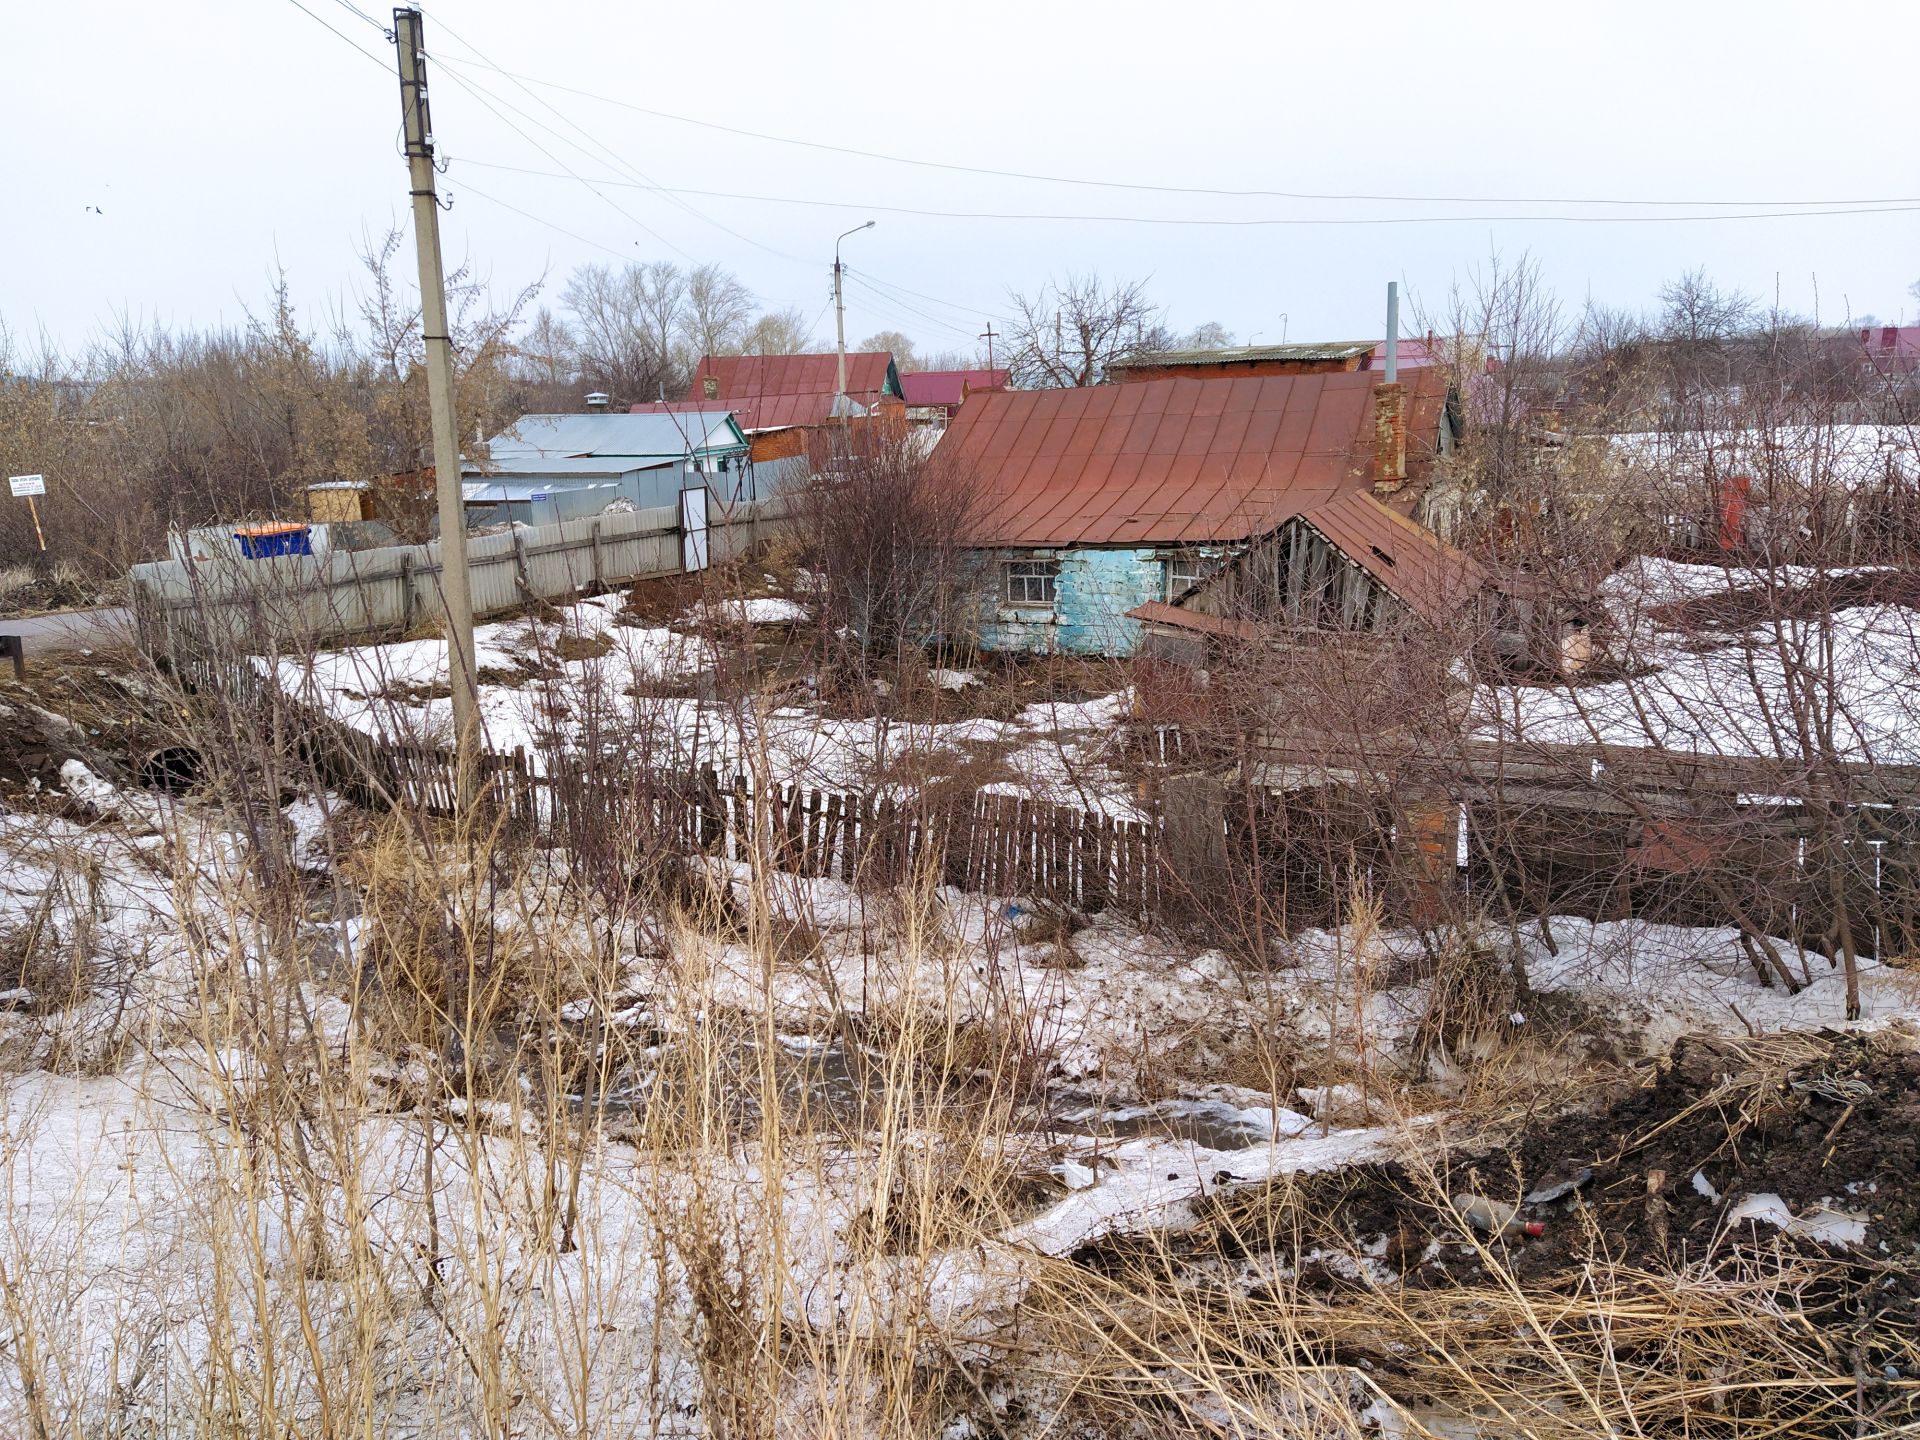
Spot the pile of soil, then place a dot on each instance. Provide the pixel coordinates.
(1819, 1120)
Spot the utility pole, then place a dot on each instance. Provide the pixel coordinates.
(840, 405)
(454, 588)
(988, 337)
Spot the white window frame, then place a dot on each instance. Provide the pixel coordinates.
(1194, 566)
(1021, 580)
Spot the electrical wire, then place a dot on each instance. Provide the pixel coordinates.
(1176, 189)
(970, 311)
(473, 189)
(899, 304)
(1247, 222)
(344, 37)
(359, 14)
(644, 180)
(571, 173)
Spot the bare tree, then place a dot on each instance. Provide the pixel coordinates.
(778, 332)
(624, 322)
(890, 529)
(896, 345)
(1699, 323)
(1211, 335)
(716, 315)
(1069, 332)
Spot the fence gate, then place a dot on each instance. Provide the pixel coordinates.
(693, 530)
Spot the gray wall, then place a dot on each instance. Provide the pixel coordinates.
(296, 601)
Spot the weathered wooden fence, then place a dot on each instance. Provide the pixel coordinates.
(984, 842)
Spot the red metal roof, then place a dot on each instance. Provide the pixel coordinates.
(949, 387)
(775, 392)
(1177, 461)
(1425, 573)
(1158, 612)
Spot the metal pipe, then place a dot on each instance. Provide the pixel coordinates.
(1393, 332)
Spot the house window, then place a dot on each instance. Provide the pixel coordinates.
(1186, 571)
(1031, 582)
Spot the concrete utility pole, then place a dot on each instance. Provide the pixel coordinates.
(840, 327)
(454, 588)
(988, 337)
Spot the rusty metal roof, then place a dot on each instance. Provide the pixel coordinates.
(1310, 350)
(1176, 461)
(775, 392)
(1158, 612)
(949, 387)
(1426, 574)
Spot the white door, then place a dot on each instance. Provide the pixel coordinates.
(693, 529)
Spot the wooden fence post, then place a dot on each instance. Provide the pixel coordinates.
(520, 564)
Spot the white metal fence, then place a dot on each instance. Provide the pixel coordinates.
(292, 601)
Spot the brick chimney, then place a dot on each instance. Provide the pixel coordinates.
(1389, 438)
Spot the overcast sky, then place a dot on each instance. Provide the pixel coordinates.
(218, 137)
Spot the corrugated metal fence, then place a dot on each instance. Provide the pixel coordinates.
(295, 601)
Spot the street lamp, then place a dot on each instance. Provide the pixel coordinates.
(840, 325)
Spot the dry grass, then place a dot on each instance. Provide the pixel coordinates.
(498, 1169)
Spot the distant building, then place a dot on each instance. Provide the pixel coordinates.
(547, 468)
(934, 396)
(1334, 357)
(333, 502)
(1892, 349)
(781, 400)
(1098, 500)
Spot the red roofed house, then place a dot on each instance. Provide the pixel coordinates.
(1892, 349)
(933, 396)
(780, 399)
(1103, 499)
(1307, 357)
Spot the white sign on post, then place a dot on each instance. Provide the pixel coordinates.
(24, 485)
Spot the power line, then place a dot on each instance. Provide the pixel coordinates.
(571, 173)
(1167, 189)
(345, 38)
(472, 189)
(614, 156)
(972, 312)
(900, 304)
(359, 14)
(1249, 222)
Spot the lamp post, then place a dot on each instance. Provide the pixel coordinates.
(840, 326)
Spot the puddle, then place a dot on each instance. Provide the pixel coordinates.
(1213, 1124)
(826, 1086)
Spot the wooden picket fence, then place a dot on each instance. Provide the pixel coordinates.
(985, 843)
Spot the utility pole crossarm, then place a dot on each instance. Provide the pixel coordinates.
(455, 591)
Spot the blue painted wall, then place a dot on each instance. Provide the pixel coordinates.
(1094, 592)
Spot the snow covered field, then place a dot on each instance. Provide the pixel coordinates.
(223, 1192)
(550, 685)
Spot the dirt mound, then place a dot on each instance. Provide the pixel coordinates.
(1807, 1141)
(1774, 1295)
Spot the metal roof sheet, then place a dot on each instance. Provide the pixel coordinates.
(1242, 354)
(1422, 571)
(1158, 612)
(1414, 353)
(949, 387)
(1179, 460)
(616, 436)
(507, 489)
(777, 392)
